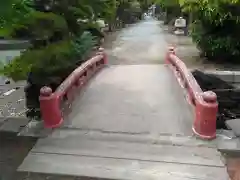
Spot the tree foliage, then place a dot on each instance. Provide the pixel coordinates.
(216, 27)
(54, 28)
(145, 4)
(49, 23)
(171, 7)
(58, 31)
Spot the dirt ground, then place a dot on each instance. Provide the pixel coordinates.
(12, 152)
(233, 167)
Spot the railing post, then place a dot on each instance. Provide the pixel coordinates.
(101, 50)
(205, 116)
(50, 109)
(171, 50)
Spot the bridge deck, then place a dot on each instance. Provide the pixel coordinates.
(124, 126)
(141, 99)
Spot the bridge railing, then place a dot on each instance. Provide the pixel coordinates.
(54, 105)
(205, 103)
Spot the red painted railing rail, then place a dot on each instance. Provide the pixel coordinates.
(205, 103)
(51, 103)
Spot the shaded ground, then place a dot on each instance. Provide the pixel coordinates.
(12, 152)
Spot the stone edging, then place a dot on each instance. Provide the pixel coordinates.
(228, 76)
(13, 44)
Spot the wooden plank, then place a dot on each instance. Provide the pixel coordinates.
(117, 168)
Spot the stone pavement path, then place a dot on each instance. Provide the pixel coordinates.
(141, 43)
(233, 167)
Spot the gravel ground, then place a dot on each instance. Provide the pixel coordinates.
(12, 104)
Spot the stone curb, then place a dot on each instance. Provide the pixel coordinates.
(228, 76)
(14, 44)
(13, 124)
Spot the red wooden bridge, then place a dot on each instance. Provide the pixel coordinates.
(126, 96)
(127, 122)
(132, 112)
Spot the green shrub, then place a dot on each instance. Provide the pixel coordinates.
(217, 45)
(54, 61)
(5, 33)
(216, 30)
(13, 12)
(83, 45)
(41, 26)
(94, 29)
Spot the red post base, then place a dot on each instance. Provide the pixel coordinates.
(205, 116)
(50, 108)
(101, 50)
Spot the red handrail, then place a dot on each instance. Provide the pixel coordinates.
(50, 102)
(206, 105)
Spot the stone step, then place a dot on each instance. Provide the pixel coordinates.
(111, 168)
(120, 156)
(100, 135)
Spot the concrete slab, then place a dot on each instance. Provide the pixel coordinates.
(225, 134)
(227, 76)
(237, 77)
(230, 146)
(35, 128)
(232, 77)
(119, 168)
(14, 124)
(13, 44)
(133, 151)
(138, 99)
(123, 156)
(188, 141)
(234, 124)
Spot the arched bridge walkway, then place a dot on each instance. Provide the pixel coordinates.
(131, 121)
(141, 99)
